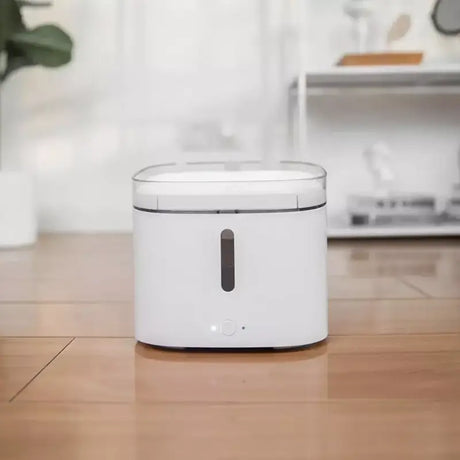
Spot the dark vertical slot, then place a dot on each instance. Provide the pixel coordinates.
(227, 260)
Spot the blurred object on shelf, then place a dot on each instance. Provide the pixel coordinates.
(398, 29)
(385, 206)
(453, 203)
(443, 37)
(398, 209)
(446, 17)
(363, 13)
(360, 11)
(378, 160)
(381, 59)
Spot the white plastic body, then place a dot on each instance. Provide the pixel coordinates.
(280, 293)
(18, 219)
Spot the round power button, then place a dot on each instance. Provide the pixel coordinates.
(228, 327)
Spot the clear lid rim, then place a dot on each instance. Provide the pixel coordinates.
(322, 175)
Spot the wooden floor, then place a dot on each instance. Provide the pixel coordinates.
(75, 385)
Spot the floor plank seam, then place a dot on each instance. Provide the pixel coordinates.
(40, 371)
(416, 288)
(74, 336)
(66, 302)
(325, 401)
(381, 299)
(130, 303)
(386, 334)
(397, 334)
(68, 336)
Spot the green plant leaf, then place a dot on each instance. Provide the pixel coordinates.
(34, 4)
(14, 61)
(46, 45)
(10, 21)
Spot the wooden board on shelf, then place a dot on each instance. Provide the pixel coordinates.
(379, 59)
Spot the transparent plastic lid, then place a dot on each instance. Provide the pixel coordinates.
(230, 186)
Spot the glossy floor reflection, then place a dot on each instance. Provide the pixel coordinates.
(75, 384)
(118, 370)
(350, 430)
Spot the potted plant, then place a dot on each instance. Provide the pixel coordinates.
(46, 45)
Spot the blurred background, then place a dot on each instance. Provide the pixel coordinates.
(217, 79)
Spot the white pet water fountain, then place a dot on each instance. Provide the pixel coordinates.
(231, 253)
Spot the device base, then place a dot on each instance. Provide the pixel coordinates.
(235, 349)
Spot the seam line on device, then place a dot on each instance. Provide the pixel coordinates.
(229, 211)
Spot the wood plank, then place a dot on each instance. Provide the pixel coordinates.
(69, 268)
(386, 384)
(355, 317)
(69, 256)
(22, 359)
(115, 370)
(421, 316)
(97, 288)
(394, 344)
(439, 287)
(396, 258)
(67, 320)
(370, 288)
(381, 59)
(345, 430)
(85, 288)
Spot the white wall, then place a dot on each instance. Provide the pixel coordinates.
(86, 128)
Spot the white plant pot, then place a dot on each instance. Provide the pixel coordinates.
(18, 219)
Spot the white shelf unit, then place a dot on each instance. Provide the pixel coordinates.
(402, 231)
(413, 79)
